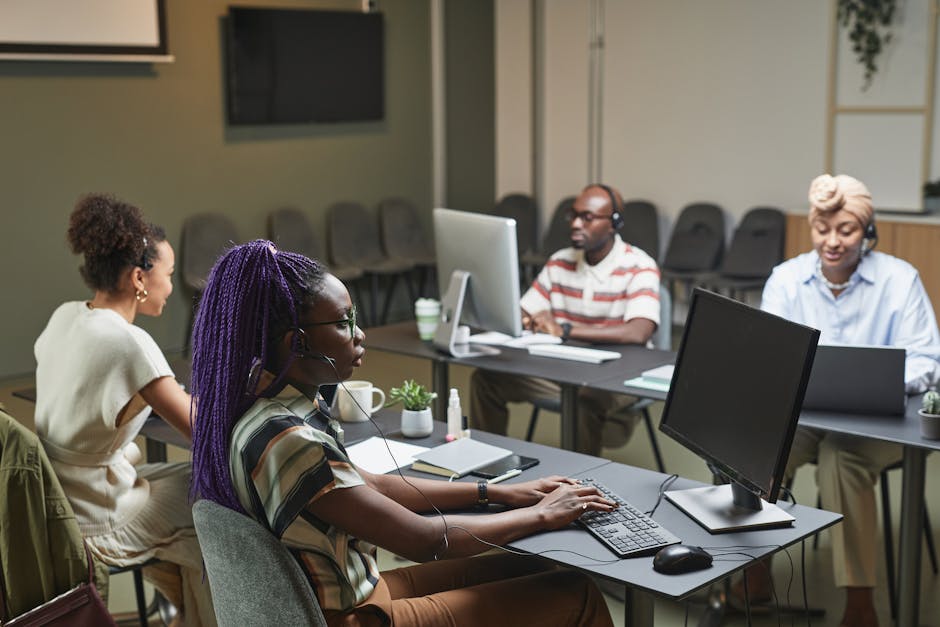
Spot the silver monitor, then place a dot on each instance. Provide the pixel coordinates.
(478, 274)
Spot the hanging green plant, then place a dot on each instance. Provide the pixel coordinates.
(868, 23)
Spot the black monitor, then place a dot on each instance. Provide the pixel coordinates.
(735, 398)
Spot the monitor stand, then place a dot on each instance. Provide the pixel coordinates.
(451, 308)
(728, 507)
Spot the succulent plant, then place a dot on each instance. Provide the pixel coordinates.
(932, 403)
(412, 395)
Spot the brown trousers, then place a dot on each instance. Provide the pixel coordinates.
(497, 589)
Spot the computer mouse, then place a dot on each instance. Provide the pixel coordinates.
(676, 559)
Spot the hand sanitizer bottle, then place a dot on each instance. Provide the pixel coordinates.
(454, 415)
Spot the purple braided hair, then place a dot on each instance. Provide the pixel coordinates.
(253, 296)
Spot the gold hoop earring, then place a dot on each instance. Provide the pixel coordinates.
(141, 296)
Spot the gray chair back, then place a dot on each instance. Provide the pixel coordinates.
(205, 237)
(291, 231)
(558, 235)
(353, 236)
(757, 244)
(403, 235)
(698, 239)
(254, 578)
(521, 208)
(641, 226)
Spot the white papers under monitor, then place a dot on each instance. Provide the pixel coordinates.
(373, 455)
(528, 338)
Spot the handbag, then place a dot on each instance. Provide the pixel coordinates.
(79, 607)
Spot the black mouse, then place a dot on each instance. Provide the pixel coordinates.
(676, 559)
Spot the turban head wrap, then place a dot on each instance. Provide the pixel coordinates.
(828, 194)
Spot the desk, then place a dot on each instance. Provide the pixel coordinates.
(638, 486)
(403, 339)
(904, 430)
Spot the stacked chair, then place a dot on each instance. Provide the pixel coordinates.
(556, 237)
(641, 226)
(695, 247)
(404, 239)
(756, 247)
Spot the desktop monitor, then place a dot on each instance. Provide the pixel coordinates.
(735, 398)
(478, 273)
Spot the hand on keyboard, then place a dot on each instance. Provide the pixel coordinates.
(567, 502)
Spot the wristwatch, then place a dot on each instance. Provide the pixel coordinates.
(483, 499)
(565, 331)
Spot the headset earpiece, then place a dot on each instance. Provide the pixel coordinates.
(301, 349)
(616, 215)
(870, 239)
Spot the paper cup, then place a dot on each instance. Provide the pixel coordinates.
(427, 315)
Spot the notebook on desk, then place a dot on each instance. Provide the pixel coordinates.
(857, 379)
(458, 458)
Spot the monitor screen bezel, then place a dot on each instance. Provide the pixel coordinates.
(726, 468)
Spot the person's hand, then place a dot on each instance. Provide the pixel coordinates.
(526, 321)
(544, 322)
(566, 503)
(527, 492)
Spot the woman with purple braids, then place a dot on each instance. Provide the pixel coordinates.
(271, 328)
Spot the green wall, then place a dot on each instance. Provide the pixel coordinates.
(155, 134)
(470, 85)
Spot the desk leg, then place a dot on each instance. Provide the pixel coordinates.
(638, 608)
(912, 520)
(569, 417)
(440, 383)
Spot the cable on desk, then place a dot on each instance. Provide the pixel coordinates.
(668, 481)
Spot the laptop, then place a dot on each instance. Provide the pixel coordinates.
(857, 379)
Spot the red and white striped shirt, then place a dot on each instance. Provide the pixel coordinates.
(624, 285)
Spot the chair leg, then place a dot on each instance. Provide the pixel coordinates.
(141, 601)
(889, 546)
(816, 536)
(931, 548)
(364, 321)
(653, 441)
(389, 294)
(531, 430)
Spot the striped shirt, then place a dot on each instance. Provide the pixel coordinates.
(624, 285)
(284, 456)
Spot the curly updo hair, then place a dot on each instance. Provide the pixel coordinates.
(113, 236)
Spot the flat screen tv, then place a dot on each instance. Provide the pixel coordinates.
(288, 66)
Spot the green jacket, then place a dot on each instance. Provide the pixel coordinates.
(41, 550)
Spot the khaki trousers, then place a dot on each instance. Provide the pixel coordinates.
(847, 468)
(490, 391)
(498, 589)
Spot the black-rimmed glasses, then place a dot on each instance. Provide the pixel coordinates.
(349, 320)
(585, 216)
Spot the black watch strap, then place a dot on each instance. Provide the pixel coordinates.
(483, 499)
(565, 331)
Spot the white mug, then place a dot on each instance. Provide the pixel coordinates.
(355, 400)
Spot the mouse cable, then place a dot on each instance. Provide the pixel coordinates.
(667, 482)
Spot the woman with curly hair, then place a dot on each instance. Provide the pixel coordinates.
(98, 378)
(272, 327)
(853, 295)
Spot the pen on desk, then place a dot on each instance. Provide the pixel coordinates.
(506, 475)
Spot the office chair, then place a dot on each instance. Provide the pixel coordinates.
(290, 230)
(255, 579)
(405, 239)
(695, 246)
(205, 237)
(557, 236)
(522, 209)
(662, 339)
(354, 240)
(756, 247)
(641, 226)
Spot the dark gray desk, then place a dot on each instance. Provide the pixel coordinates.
(639, 486)
(570, 375)
(903, 430)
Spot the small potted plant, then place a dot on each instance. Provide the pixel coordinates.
(416, 419)
(930, 416)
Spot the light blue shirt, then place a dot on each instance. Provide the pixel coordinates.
(885, 304)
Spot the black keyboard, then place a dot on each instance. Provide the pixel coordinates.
(626, 531)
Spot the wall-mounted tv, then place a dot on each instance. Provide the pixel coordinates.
(296, 66)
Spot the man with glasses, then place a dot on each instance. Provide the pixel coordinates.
(600, 289)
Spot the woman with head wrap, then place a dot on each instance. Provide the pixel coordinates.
(853, 295)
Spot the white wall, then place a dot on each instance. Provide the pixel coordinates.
(724, 100)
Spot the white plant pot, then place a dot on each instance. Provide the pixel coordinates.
(929, 425)
(416, 424)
